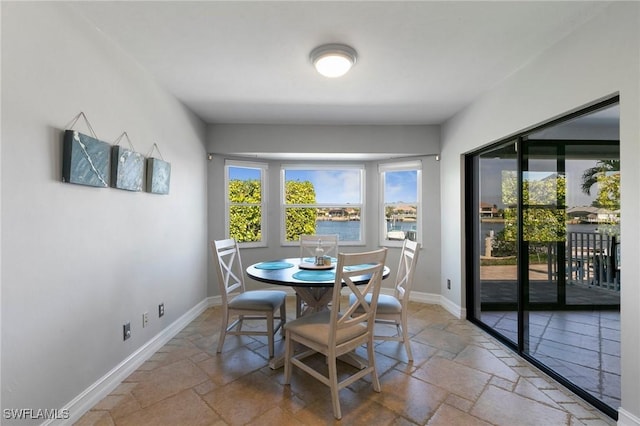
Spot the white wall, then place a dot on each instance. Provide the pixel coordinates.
(78, 262)
(420, 141)
(397, 140)
(598, 60)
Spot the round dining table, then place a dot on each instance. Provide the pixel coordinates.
(313, 285)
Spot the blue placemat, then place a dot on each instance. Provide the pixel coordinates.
(274, 265)
(315, 275)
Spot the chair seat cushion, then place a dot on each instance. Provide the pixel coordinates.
(386, 304)
(258, 300)
(315, 327)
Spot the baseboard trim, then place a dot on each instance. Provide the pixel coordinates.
(107, 383)
(625, 418)
(428, 298)
(437, 299)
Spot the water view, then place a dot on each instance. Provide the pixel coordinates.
(346, 230)
(350, 230)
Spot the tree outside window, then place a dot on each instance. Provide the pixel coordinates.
(245, 202)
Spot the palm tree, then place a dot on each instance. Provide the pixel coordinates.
(590, 176)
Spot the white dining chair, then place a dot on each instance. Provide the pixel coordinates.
(340, 330)
(308, 245)
(245, 305)
(393, 309)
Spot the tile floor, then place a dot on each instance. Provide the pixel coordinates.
(460, 376)
(582, 346)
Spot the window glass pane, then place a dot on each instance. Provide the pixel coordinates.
(401, 205)
(300, 220)
(245, 194)
(245, 185)
(328, 186)
(401, 187)
(342, 221)
(323, 201)
(245, 223)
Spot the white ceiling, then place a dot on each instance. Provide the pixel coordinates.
(419, 62)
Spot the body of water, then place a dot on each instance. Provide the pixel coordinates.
(347, 230)
(350, 230)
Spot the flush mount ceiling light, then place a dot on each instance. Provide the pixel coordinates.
(333, 60)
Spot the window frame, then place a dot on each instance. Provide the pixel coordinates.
(333, 166)
(263, 167)
(399, 166)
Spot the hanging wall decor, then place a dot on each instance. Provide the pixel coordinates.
(127, 166)
(85, 159)
(158, 173)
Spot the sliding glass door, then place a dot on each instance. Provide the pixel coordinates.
(543, 250)
(494, 235)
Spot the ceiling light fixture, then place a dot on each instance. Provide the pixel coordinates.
(333, 60)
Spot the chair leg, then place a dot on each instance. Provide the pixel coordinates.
(407, 344)
(405, 339)
(283, 317)
(288, 352)
(270, 333)
(333, 383)
(372, 363)
(240, 321)
(223, 330)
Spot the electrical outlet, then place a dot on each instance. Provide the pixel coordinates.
(145, 319)
(448, 284)
(160, 310)
(126, 331)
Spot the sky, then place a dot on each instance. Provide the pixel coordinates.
(332, 186)
(401, 186)
(343, 186)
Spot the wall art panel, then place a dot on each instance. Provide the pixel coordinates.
(85, 160)
(127, 169)
(158, 176)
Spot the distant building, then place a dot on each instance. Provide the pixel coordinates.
(590, 214)
(488, 210)
(405, 212)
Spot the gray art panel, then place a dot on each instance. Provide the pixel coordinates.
(85, 160)
(127, 169)
(158, 176)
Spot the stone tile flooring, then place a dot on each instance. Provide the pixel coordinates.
(582, 346)
(460, 376)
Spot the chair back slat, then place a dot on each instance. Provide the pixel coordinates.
(228, 267)
(406, 269)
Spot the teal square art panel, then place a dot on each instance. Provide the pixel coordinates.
(127, 169)
(85, 160)
(158, 176)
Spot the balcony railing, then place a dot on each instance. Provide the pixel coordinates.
(593, 260)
